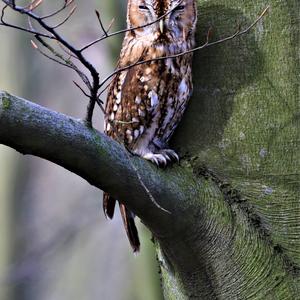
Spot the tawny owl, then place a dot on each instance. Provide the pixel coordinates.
(146, 102)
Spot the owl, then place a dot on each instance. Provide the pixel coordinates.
(145, 103)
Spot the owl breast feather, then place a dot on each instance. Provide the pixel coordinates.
(146, 103)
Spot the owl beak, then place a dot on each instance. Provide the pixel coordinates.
(161, 26)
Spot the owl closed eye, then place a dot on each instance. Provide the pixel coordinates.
(180, 18)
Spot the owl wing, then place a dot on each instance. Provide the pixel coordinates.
(130, 105)
(112, 104)
(117, 110)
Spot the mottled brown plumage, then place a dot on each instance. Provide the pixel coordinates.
(146, 102)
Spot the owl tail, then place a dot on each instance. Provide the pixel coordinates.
(109, 204)
(131, 230)
(128, 220)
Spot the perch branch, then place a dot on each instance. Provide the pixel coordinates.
(192, 238)
(86, 152)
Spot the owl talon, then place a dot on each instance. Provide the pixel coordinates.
(168, 157)
(170, 154)
(158, 159)
(162, 158)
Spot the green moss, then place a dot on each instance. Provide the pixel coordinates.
(170, 282)
(6, 102)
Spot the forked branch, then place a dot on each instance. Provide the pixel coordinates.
(51, 33)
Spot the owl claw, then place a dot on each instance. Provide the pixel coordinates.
(158, 159)
(170, 154)
(162, 158)
(168, 157)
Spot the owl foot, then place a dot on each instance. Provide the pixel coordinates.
(157, 159)
(162, 158)
(169, 154)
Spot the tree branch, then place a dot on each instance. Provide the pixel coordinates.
(32, 129)
(203, 227)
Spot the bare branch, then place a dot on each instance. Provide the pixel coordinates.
(82, 90)
(94, 87)
(68, 52)
(128, 29)
(2, 14)
(110, 24)
(66, 4)
(100, 22)
(104, 89)
(208, 35)
(66, 18)
(48, 56)
(205, 45)
(4, 23)
(33, 5)
(67, 62)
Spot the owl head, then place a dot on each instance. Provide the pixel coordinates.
(178, 25)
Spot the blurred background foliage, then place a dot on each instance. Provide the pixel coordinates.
(54, 240)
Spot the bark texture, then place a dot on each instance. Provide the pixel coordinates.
(233, 229)
(242, 125)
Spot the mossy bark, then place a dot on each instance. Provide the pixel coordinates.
(241, 131)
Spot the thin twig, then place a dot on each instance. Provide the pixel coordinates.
(205, 45)
(101, 24)
(67, 3)
(34, 45)
(66, 51)
(151, 197)
(95, 75)
(4, 23)
(33, 5)
(82, 90)
(66, 18)
(110, 25)
(67, 62)
(129, 29)
(104, 89)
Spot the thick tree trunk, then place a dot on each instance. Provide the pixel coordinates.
(232, 227)
(241, 132)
